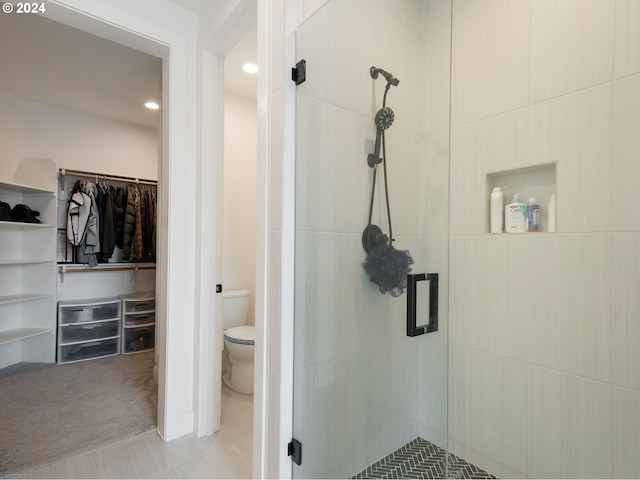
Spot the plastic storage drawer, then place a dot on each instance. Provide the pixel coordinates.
(137, 319)
(144, 302)
(88, 311)
(84, 332)
(86, 351)
(138, 339)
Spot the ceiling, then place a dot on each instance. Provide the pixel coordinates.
(47, 62)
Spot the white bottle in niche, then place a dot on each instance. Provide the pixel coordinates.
(515, 216)
(551, 212)
(497, 203)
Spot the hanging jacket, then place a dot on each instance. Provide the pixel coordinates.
(90, 245)
(137, 230)
(108, 232)
(78, 217)
(129, 224)
(119, 204)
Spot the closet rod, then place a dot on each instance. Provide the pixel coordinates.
(100, 176)
(65, 269)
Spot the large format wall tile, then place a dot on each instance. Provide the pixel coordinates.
(571, 328)
(569, 426)
(332, 175)
(626, 168)
(626, 425)
(627, 60)
(487, 408)
(572, 44)
(626, 305)
(490, 58)
(575, 131)
(481, 318)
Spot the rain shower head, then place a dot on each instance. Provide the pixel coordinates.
(387, 76)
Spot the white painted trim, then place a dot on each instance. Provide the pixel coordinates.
(210, 213)
(261, 377)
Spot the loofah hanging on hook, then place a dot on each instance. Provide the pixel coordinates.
(386, 266)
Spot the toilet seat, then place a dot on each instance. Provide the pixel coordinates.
(243, 335)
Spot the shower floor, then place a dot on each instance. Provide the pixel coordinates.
(421, 459)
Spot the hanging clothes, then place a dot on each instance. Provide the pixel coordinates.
(137, 232)
(129, 224)
(108, 231)
(101, 217)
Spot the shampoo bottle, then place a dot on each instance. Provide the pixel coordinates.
(533, 215)
(515, 216)
(497, 205)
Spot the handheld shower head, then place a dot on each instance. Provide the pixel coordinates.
(387, 76)
(383, 120)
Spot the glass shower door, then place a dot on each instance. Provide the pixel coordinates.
(372, 182)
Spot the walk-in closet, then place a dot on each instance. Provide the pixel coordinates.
(79, 170)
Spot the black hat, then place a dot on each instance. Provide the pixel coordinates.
(5, 212)
(23, 213)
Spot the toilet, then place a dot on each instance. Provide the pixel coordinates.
(239, 342)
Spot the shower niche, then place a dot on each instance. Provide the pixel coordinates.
(538, 181)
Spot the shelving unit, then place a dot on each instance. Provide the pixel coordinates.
(138, 322)
(88, 329)
(27, 278)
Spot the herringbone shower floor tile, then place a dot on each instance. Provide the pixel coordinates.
(422, 459)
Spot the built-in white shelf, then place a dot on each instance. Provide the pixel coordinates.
(25, 225)
(27, 261)
(19, 334)
(20, 189)
(27, 306)
(23, 297)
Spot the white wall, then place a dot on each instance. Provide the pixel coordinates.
(544, 364)
(74, 140)
(239, 224)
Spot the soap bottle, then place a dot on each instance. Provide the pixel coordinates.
(497, 205)
(533, 215)
(515, 216)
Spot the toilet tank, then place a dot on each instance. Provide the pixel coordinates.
(235, 307)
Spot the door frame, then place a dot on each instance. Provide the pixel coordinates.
(189, 336)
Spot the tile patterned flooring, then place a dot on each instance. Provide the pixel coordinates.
(226, 454)
(421, 459)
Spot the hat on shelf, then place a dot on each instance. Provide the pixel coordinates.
(5, 212)
(23, 213)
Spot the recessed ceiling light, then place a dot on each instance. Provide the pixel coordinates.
(250, 67)
(151, 105)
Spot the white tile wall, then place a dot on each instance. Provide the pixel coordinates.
(626, 144)
(627, 55)
(487, 410)
(572, 46)
(626, 424)
(569, 426)
(562, 306)
(490, 58)
(543, 377)
(626, 305)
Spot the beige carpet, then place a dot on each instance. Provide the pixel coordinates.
(52, 411)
